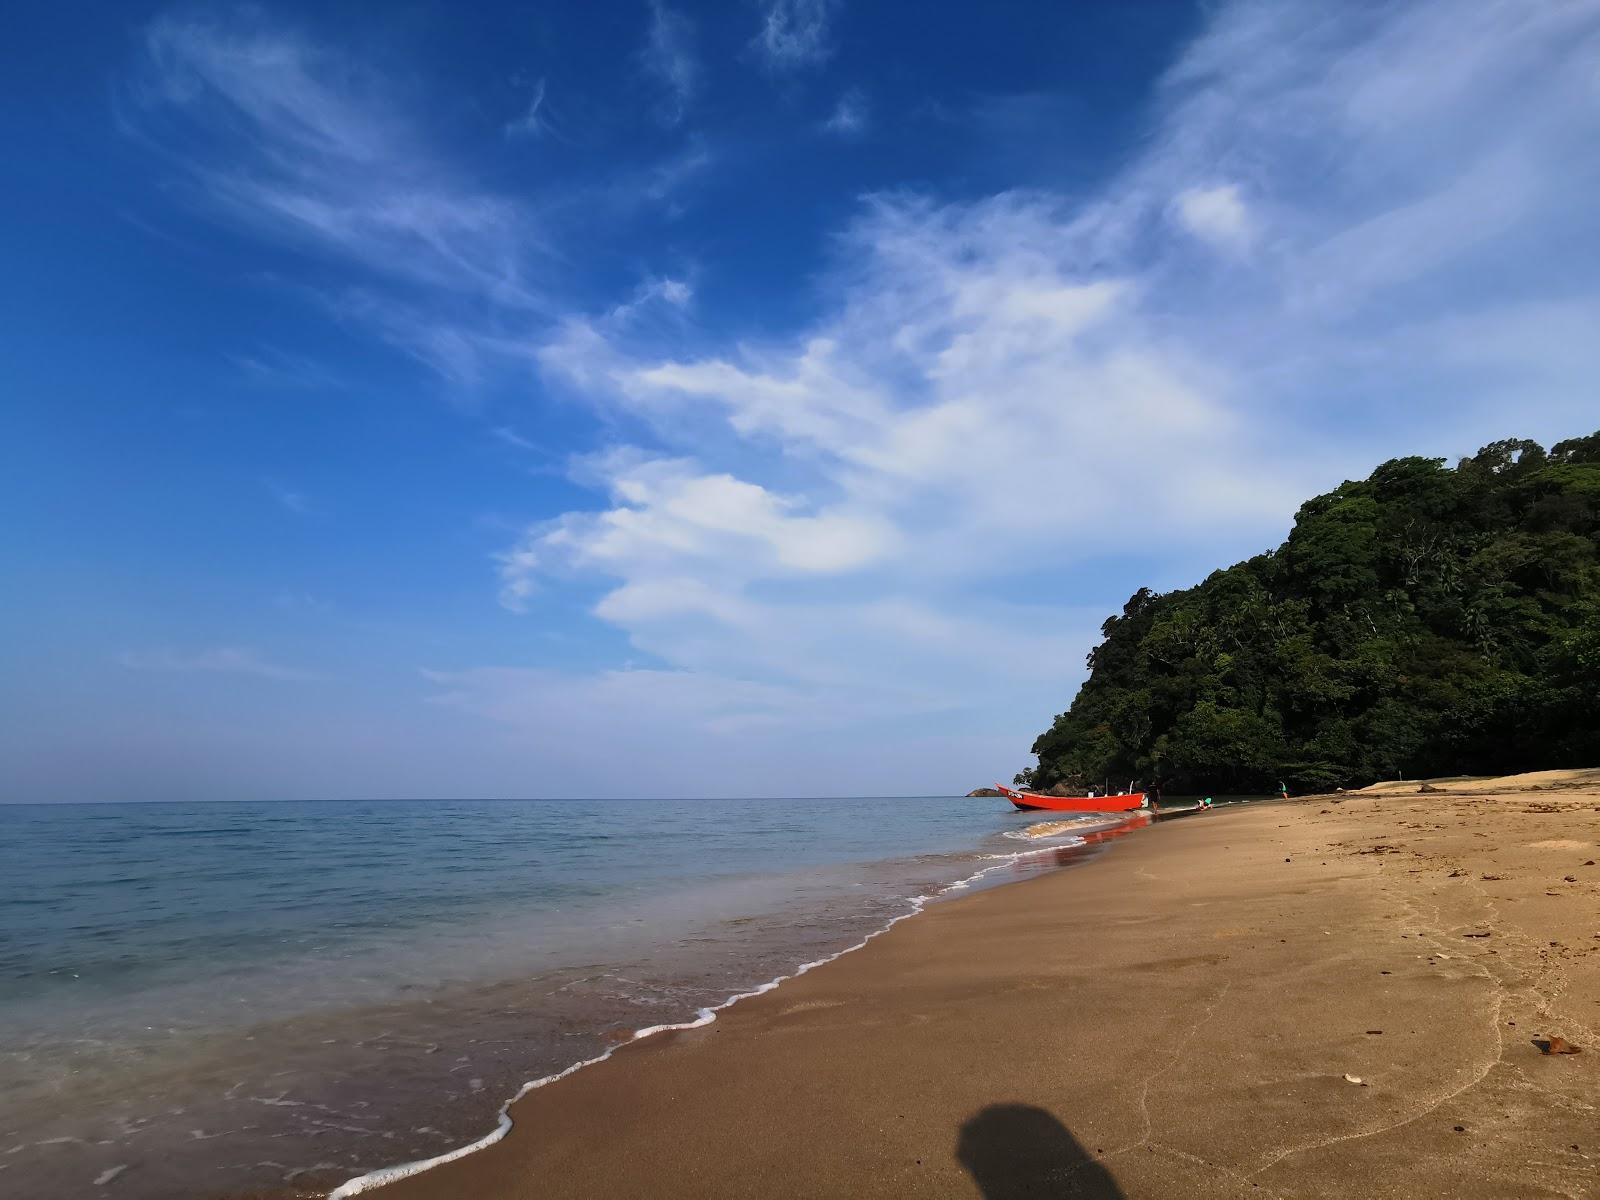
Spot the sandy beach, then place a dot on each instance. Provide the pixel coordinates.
(1332, 996)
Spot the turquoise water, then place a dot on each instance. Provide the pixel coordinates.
(198, 998)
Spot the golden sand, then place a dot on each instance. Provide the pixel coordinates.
(1531, 781)
(1337, 996)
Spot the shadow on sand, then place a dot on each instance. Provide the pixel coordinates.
(1018, 1152)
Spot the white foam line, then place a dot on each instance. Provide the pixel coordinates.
(1030, 834)
(387, 1175)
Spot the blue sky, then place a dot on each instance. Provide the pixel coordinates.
(768, 397)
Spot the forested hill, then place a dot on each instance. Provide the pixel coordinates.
(1427, 620)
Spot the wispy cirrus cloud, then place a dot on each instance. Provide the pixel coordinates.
(223, 660)
(280, 369)
(661, 183)
(532, 121)
(794, 33)
(510, 437)
(279, 134)
(297, 139)
(289, 498)
(850, 116)
(310, 146)
(670, 60)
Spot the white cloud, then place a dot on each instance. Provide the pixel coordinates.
(225, 660)
(1215, 214)
(794, 33)
(295, 501)
(971, 403)
(1031, 382)
(1348, 233)
(964, 343)
(296, 139)
(674, 291)
(530, 123)
(309, 146)
(670, 516)
(280, 369)
(301, 143)
(849, 117)
(662, 181)
(669, 59)
(510, 437)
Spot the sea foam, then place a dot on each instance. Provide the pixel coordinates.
(705, 1016)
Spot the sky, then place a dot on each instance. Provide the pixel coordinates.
(768, 397)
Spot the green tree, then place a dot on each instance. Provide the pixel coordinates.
(1424, 620)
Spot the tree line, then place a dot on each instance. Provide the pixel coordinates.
(1427, 620)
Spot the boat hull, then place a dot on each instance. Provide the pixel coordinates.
(1034, 802)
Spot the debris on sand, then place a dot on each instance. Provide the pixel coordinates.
(1354, 1079)
(1553, 1045)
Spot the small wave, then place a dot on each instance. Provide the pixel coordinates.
(1057, 842)
(1045, 829)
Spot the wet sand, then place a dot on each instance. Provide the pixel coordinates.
(1338, 996)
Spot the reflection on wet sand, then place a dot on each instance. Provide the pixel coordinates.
(1088, 841)
(1089, 838)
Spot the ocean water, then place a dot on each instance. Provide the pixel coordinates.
(204, 1000)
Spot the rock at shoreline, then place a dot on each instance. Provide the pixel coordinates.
(985, 792)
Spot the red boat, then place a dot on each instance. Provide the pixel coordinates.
(1125, 802)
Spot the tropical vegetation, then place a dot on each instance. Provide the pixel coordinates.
(1427, 620)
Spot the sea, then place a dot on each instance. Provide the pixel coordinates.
(224, 999)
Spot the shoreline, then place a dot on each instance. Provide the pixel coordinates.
(1087, 840)
(1065, 1005)
(304, 1043)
